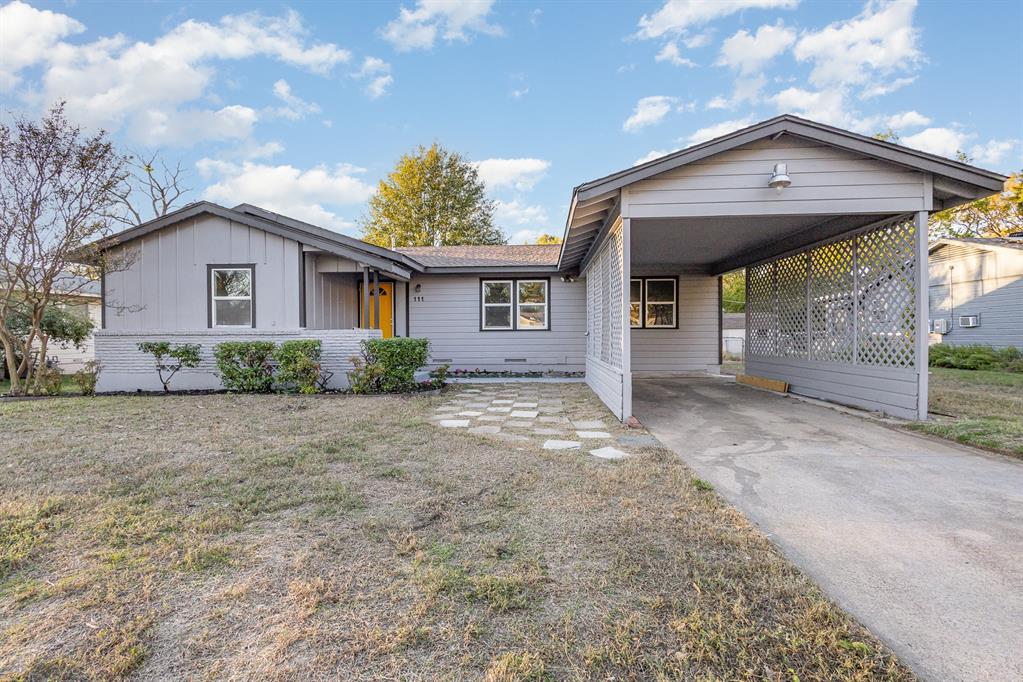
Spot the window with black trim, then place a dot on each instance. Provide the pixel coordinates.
(515, 304)
(232, 296)
(653, 303)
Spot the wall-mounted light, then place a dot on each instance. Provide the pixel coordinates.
(780, 180)
(419, 287)
(567, 278)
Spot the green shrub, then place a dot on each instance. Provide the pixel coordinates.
(388, 365)
(245, 365)
(47, 380)
(976, 357)
(171, 359)
(87, 376)
(298, 365)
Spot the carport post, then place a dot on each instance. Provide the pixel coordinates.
(922, 313)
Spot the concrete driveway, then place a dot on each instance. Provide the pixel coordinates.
(920, 540)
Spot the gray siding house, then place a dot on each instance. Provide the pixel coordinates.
(976, 291)
(830, 225)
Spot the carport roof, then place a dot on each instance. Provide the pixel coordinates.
(594, 205)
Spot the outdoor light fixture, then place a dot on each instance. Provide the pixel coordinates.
(780, 180)
(419, 287)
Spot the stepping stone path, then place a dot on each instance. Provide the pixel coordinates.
(553, 416)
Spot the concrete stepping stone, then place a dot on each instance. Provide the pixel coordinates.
(477, 406)
(492, 418)
(503, 402)
(590, 434)
(554, 444)
(548, 432)
(454, 423)
(448, 408)
(469, 413)
(485, 430)
(524, 414)
(592, 424)
(519, 423)
(524, 405)
(547, 419)
(609, 453)
(499, 409)
(638, 441)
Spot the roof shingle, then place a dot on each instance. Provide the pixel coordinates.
(484, 256)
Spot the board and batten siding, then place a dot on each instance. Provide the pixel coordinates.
(693, 347)
(165, 284)
(973, 280)
(331, 292)
(825, 180)
(449, 316)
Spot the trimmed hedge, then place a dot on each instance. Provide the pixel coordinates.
(976, 357)
(298, 365)
(389, 365)
(245, 365)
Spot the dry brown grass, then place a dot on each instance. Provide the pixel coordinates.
(297, 537)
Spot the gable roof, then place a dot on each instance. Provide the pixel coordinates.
(594, 203)
(518, 255)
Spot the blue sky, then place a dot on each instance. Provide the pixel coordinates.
(303, 107)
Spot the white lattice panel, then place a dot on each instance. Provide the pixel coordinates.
(616, 312)
(604, 299)
(832, 321)
(852, 301)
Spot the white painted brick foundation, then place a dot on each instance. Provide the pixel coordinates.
(125, 368)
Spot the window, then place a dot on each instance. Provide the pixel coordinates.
(653, 302)
(232, 296)
(514, 304)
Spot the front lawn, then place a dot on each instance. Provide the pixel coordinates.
(976, 407)
(299, 537)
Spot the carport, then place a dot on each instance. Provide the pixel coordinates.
(832, 228)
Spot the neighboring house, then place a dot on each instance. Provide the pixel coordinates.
(87, 302)
(733, 334)
(829, 224)
(976, 291)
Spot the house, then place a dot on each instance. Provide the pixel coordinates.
(976, 291)
(733, 334)
(830, 225)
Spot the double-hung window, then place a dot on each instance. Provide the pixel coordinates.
(232, 296)
(515, 304)
(653, 303)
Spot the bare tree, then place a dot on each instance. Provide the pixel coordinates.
(57, 188)
(149, 189)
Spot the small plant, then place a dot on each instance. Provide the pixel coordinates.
(171, 359)
(701, 484)
(364, 376)
(87, 376)
(441, 374)
(976, 357)
(298, 365)
(47, 380)
(245, 365)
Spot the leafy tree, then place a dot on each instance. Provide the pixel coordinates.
(733, 292)
(56, 193)
(433, 197)
(171, 359)
(994, 216)
(548, 239)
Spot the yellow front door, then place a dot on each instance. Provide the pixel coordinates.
(386, 294)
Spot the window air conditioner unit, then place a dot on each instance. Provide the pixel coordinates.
(967, 321)
(942, 326)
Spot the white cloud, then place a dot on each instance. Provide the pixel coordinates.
(675, 16)
(993, 152)
(377, 73)
(648, 111)
(825, 106)
(942, 141)
(520, 174)
(651, 155)
(114, 82)
(697, 41)
(419, 28)
(670, 53)
(885, 87)
(718, 102)
(28, 35)
(520, 92)
(717, 130)
(907, 119)
(515, 212)
(865, 50)
(748, 53)
(311, 195)
(295, 107)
